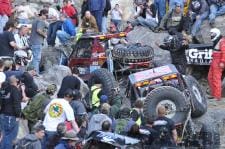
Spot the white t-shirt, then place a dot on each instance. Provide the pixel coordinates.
(2, 77)
(57, 111)
(115, 15)
(21, 41)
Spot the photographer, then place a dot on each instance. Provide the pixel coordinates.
(10, 111)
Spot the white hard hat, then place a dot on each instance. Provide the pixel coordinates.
(215, 34)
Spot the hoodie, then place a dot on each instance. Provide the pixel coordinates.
(35, 142)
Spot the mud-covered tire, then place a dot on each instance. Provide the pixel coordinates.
(106, 78)
(133, 53)
(210, 136)
(171, 98)
(197, 96)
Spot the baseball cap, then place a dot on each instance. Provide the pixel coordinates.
(70, 135)
(103, 99)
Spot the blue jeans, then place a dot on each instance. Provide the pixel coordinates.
(216, 11)
(36, 49)
(3, 20)
(63, 36)
(196, 26)
(117, 24)
(52, 29)
(104, 24)
(147, 23)
(10, 128)
(23, 21)
(48, 136)
(160, 8)
(98, 17)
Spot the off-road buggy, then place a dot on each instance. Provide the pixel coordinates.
(181, 95)
(101, 140)
(92, 52)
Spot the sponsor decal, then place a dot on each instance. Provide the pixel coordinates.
(199, 57)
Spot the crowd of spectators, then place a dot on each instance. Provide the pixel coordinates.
(66, 119)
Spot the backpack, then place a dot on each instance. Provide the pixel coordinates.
(34, 110)
(24, 144)
(121, 125)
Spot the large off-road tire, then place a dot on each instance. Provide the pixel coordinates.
(171, 98)
(133, 53)
(197, 96)
(106, 78)
(210, 136)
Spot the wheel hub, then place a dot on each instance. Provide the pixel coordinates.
(170, 107)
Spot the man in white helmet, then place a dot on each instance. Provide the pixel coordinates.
(218, 63)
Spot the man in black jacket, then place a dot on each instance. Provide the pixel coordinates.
(10, 112)
(176, 44)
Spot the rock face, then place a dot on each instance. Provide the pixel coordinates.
(54, 75)
(145, 36)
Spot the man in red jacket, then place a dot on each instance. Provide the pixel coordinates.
(5, 12)
(218, 63)
(70, 11)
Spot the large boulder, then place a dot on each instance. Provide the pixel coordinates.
(205, 28)
(54, 75)
(145, 36)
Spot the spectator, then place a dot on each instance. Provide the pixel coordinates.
(28, 80)
(78, 108)
(54, 23)
(160, 6)
(151, 134)
(124, 123)
(166, 128)
(84, 8)
(7, 40)
(70, 11)
(106, 126)
(89, 23)
(61, 131)
(34, 110)
(148, 17)
(58, 111)
(68, 141)
(129, 27)
(116, 16)
(186, 7)
(97, 120)
(68, 30)
(10, 113)
(69, 82)
(137, 112)
(217, 8)
(134, 132)
(199, 11)
(173, 21)
(96, 8)
(105, 15)
(5, 13)
(96, 92)
(21, 38)
(38, 34)
(24, 13)
(32, 140)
